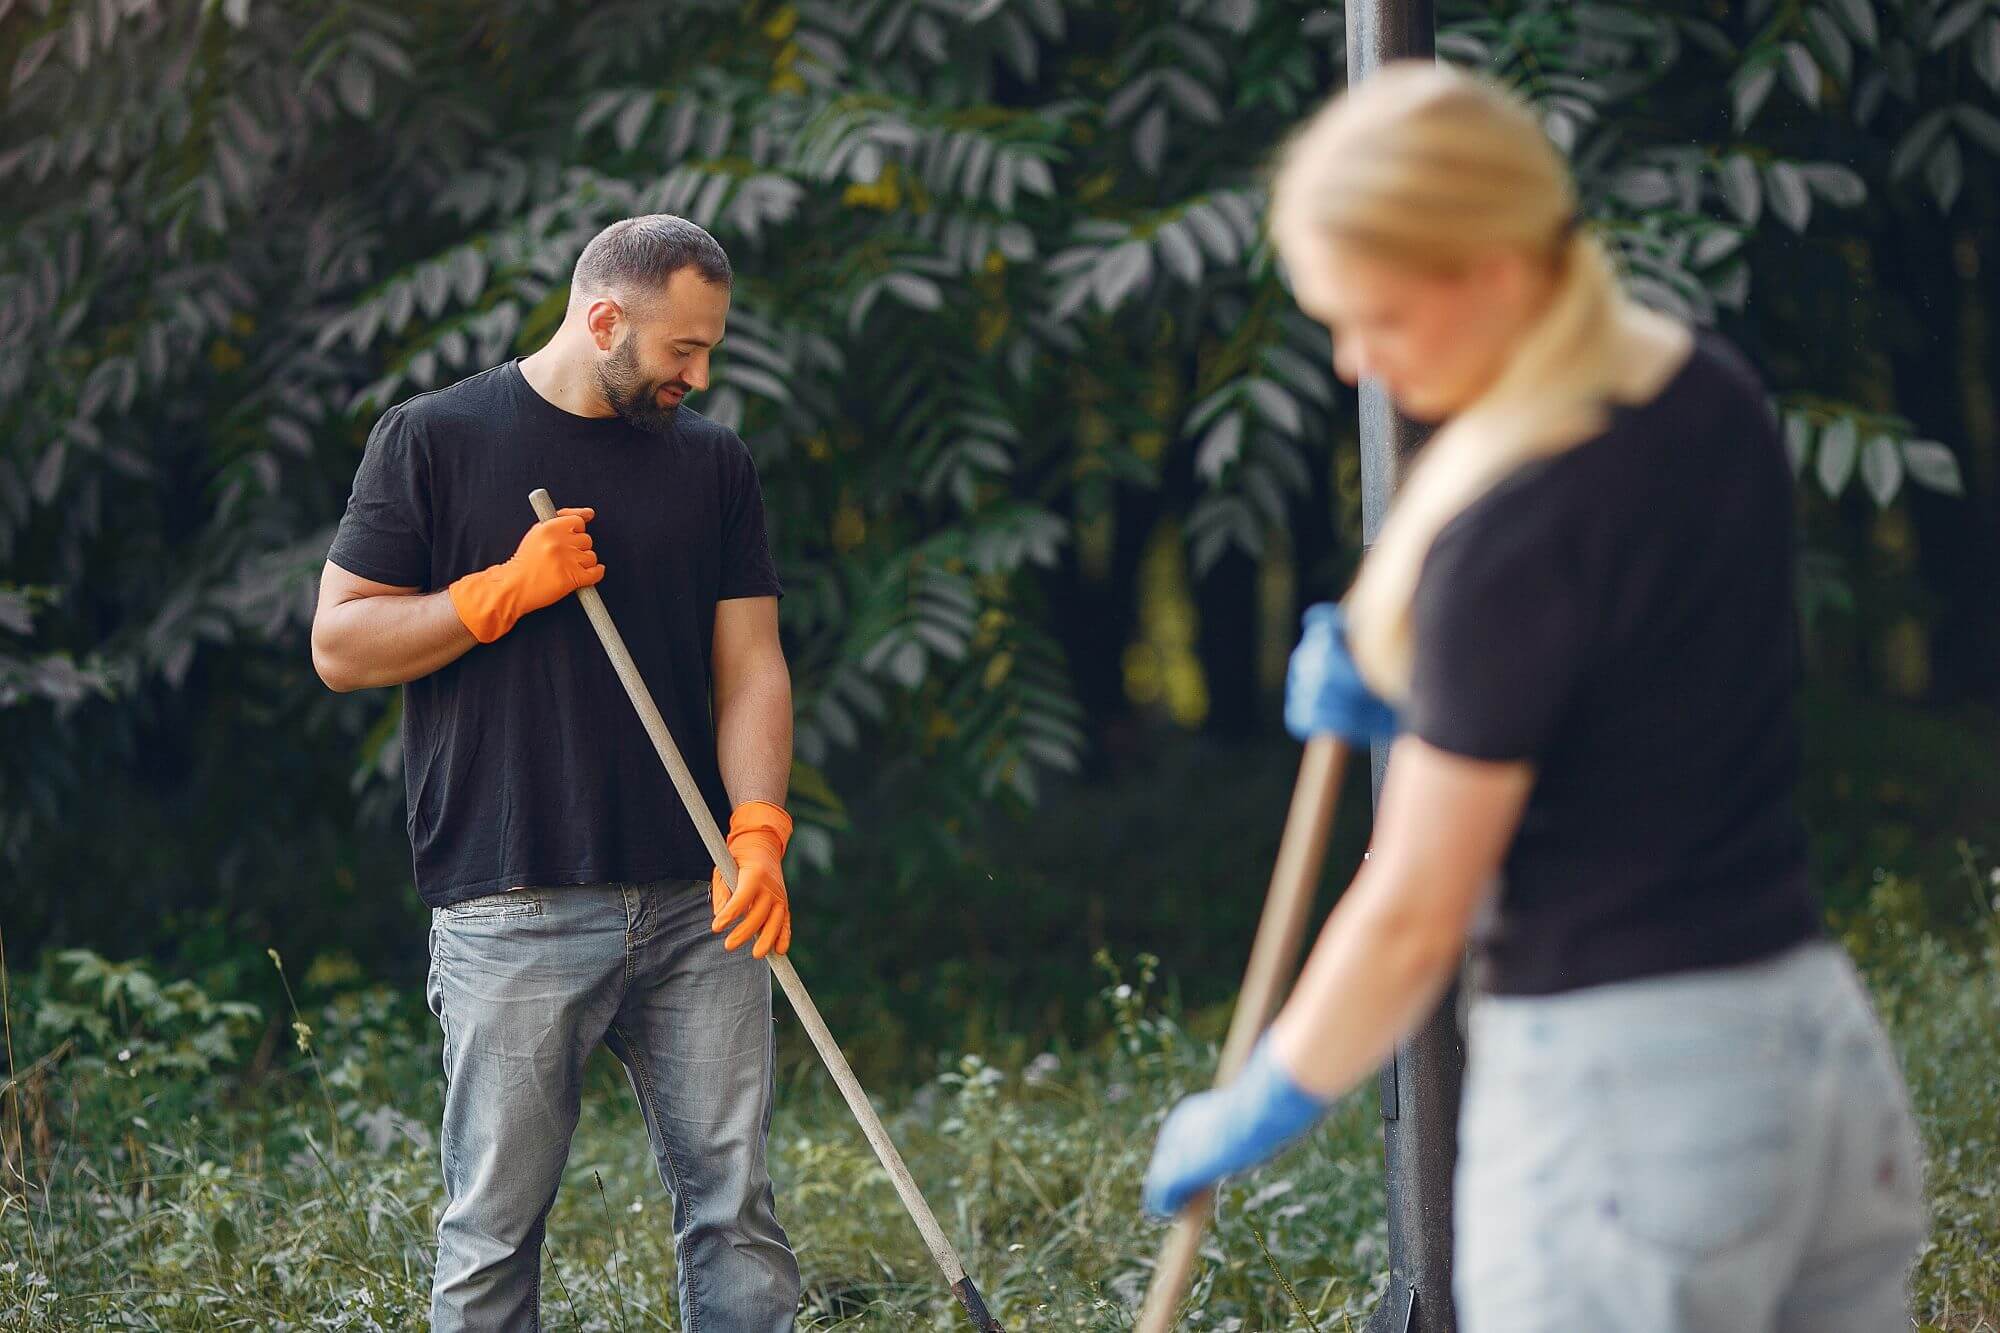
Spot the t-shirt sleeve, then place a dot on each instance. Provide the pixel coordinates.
(385, 535)
(1497, 636)
(747, 567)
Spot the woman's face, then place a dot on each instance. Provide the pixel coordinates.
(1434, 341)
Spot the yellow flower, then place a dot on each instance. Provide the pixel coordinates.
(850, 527)
(779, 26)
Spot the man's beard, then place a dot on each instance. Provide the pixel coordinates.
(631, 397)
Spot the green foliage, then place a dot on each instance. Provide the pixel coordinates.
(238, 1212)
(1001, 265)
(1942, 1004)
(119, 1019)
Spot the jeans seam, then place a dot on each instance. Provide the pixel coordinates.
(631, 922)
(444, 1030)
(537, 1238)
(523, 903)
(645, 1068)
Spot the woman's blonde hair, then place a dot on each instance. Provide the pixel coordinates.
(1433, 167)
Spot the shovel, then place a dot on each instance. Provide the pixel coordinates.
(1301, 853)
(781, 967)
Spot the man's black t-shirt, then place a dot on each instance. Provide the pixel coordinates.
(1621, 616)
(525, 761)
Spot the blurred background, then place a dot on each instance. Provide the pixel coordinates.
(1051, 462)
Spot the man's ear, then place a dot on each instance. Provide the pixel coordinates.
(603, 317)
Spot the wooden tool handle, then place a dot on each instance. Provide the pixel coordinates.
(781, 967)
(1301, 853)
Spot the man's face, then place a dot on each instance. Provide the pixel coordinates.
(654, 359)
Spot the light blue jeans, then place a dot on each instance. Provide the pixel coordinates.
(1725, 1151)
(525, 985)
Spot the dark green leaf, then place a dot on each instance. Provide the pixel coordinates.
(31, 57)
(1874, 86)
(1838, 185)
(1802, 72)
(1981, 124)
(1644, 187)
(1190, 98)
(914, 290)
(1986, 53)
(631, 122)
(1149, 140)
(468, 272)
(1276, 406)
(1834, 50)
(1955, 22)
(1838, 445)
(1790, 199)
(1220, 447)
(1715, 245)
(1123, 269)
(1748, 90)
(1179, 252)
(1881, 469)
(1860, 18)
(16, 612)
(354, 81)
(1916, 145)
(1740, 189)
(78, 33)
(1945, 173)
(598, 109)
(1933, 465)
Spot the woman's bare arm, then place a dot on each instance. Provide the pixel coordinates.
(1391, 946)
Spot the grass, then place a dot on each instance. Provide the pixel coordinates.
(169, 1187)
(171, 1160)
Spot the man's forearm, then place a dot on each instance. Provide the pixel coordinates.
(753, 735)
(387, 640)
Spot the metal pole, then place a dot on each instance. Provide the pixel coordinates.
(1420, 1084)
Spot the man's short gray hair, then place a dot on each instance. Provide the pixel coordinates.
(631, 259)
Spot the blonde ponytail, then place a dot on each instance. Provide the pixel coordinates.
(1434, 167)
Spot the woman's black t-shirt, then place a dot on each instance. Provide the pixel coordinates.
(1621, 616)
(525, 762)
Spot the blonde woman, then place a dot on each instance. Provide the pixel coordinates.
(1680, 1113)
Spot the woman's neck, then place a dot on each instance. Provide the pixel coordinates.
(1652, 348)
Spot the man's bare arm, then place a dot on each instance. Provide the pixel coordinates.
(366, 634)
(753, 701)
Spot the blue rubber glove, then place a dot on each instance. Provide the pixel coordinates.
(1215, 1134)
(1324, 692)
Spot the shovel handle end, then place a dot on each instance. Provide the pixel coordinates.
(975, 1306)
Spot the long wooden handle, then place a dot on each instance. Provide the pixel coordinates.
(781, 967)
(1301, 853)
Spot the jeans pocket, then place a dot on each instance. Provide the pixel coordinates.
(514, 902)
(1700, 1153)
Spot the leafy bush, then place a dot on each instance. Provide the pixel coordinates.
(1005, 311)
(251, 1209)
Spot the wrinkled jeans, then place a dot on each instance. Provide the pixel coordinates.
(525, 985)
(1725, 1151)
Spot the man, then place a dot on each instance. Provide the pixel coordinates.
(572, 901)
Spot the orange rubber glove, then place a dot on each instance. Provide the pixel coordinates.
(758, 832)
(554, 560)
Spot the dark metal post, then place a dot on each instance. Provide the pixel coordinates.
(1420, 1084)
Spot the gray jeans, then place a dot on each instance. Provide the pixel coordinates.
(525, 985)
(1710, 1152)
